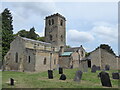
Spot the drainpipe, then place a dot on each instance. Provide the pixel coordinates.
(50, 59)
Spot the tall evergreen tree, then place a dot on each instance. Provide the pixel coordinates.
(7, 31)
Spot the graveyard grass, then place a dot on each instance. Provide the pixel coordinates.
(40, 80)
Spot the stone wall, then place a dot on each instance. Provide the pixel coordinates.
(10, 59)
(40, 65)
(101, 58)
(108, 59)
(75, 60)
(28, 63)
(96, 58)
(64, 61)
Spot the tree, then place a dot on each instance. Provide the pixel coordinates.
(107, 48)
(32, 34)
(41, 39)
(7, 31)
(68, 46)
(23, 33)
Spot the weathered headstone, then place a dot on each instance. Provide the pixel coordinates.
(105, 79)
(94, 68)
(115, 76)
(85, 67)
(78, 76)
(63, 77)
(98, 67)
(60, 70)
(50, 74)
(107, 67)
(11, 81)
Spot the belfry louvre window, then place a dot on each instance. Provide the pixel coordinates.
(29, 59)
(16, 57)
(51, 37)
(52, 21)
(61, 38)
(49, 22)
(45, 60)
(61, 22)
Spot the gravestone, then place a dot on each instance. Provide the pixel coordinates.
(107, 67)
(78, 76)
(94, 68)
(60, 70)
(105, 79)
(50, 74)
(115, 76)
(11, 81)
(85, 67)
(63, 77)
(98, 67)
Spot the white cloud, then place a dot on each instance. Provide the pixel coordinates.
(26, 9)
(76, 36)
(105, 33)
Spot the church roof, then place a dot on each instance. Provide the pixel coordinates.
(71, 49)
(66, 53)
(36, 41)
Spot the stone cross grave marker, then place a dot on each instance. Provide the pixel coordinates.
(105, 79)
(78, 76)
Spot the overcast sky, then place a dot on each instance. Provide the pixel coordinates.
(88, 23)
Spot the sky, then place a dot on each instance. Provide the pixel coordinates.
(87, 23)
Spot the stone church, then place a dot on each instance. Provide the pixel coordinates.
(36, 56)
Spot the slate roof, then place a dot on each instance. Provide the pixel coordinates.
(71, 49)
(66, 54)
(36, 41)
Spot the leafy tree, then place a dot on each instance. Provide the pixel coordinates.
(107, 48)
(32, 34)
(23, 33)
(41, 39)
(68, 46)
(87, 54)
(7, 31)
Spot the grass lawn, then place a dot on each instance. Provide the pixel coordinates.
(40, 80)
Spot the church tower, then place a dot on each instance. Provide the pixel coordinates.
(55, 30)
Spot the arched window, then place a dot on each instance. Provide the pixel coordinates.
(61, 37)
(52, 21)
(49, 22)
(45, 60)
(51, 37)
(29, 59)
(54, 61)
(61, 22)
(82, 53)
(16, 57)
